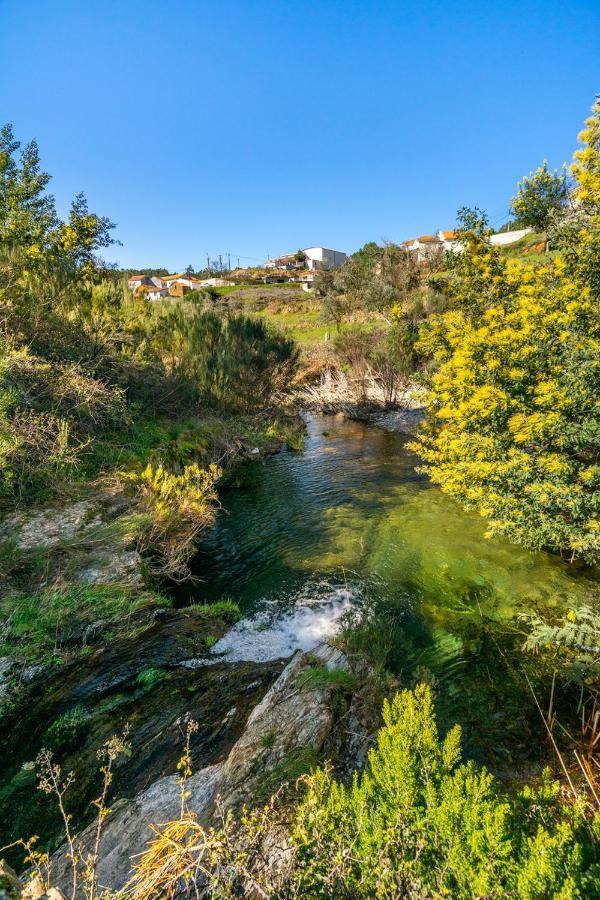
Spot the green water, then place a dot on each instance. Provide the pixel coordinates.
(350, 507)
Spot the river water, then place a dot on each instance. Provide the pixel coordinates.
(302, 540)
(308, 533)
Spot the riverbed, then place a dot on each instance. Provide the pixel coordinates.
(310, 533)
(304, 539)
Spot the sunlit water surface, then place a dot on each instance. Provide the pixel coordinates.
(295, 545)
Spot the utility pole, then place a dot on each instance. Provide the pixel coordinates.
(220, 263)
(229, 262)
(208, 263)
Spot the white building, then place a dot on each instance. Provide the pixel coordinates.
(189, 281)
(428, 245)
(314, 258)
(323, 258)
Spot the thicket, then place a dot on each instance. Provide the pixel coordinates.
(416, 823)
(84, 364)
(513, 429)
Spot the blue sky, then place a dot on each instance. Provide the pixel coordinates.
(260, 127)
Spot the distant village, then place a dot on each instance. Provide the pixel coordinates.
(302, 265)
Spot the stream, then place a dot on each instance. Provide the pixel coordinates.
(302, 539)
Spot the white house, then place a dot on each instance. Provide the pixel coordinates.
(314, 258)
(323, 258)
(189, 281)
(428, 244)
(152, 292)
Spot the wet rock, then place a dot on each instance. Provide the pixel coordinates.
(112, 566)
(289, 717)
(6, 664)
(52, 525)
(32, 673)
(403, 420)
(10, 886)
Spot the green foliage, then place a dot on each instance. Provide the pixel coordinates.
(576, 639)
(48, 624)
(175, 510)
(221, 609)
(232, 360)
(68, 731)
(150, 677)
(540, 198)
(417, 823)
(86, 367)
(513, 426)
(321, 678)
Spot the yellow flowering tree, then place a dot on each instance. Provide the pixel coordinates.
(513, 425)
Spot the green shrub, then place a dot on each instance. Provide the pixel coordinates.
(175, 509)
(417, 823)
(149, 677)
(68, 731)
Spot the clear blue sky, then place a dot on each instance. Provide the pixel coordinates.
(259, 127)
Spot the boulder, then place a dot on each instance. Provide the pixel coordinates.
(288, 718)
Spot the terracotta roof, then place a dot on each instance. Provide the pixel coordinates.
(450, 235)
(137, 277)
(181, 275)
(427, 239)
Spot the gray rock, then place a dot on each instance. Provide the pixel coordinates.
(292, 716)
(113, 566)
(6, 664)
(10, 886)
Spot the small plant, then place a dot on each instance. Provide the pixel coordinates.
(67, 732)
(150, 677)
(320, 677)
(210, 640)
(223, 609)
(268, 740)
(176, 509)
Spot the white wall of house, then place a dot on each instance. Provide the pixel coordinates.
(509, 237)
(323, 258)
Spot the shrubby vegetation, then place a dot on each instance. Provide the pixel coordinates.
(417, 823)
(82, 360)
(513, 427)
(540, 198)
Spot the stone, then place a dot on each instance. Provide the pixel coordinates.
(294, 717)
(6, 664)
(10, 885)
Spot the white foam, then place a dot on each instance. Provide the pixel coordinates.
(308, 619)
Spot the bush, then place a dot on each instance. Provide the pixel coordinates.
(176, 509)
(513, 425)
(417, 823)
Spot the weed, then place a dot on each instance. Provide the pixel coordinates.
(321, 677)
(268, 739)
(224, 609)
(150, 677)
(68, 731)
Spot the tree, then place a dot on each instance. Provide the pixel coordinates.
(189, 270)
(513, 425)
(541, 197)
(300, 256)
